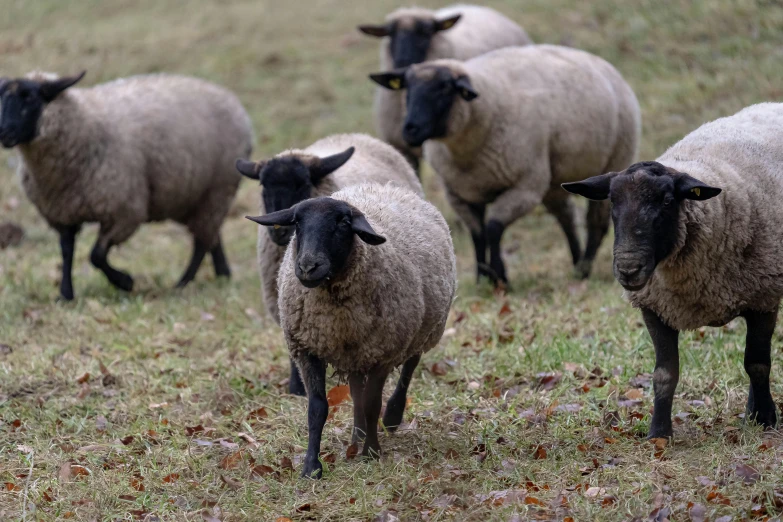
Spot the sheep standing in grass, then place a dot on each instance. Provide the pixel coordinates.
(503, 130)
(141, 149)
(366, 285)
(414, 35)
(328, 165)
(699, 241)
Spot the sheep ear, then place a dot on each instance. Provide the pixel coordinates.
(362, 228)
(249, 169)
(51, 89)
(447, 23)
(281, 218)
(465, 88)
(688, 187)
(322, 167)
(379, 31)
(595, 188)
(394, 80)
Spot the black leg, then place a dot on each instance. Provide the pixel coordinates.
(495, 231)
(314, 375)
(295, 384)
(98, 257)
(414, 162)
(67, 246)
(758, 345)
(358, 382)
(395, 408)
(667, 373)
(598, 216)
(219, 260)
(562, 208)
(199, 251)
(479, 238)
(373, 400)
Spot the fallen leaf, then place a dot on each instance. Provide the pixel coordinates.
(351, 451)
(608, 500)
(10, 486)
(748, 474)
(232, 483)
(548, 381)
(127, 440)
(697, 512)
(303, 508)
(338, 394)
(137, 483)
(65, 472)
(157, 406)
(84, 378)
(451, 453)
(263, 469)
(504, 310)
(101, 423)
(717, 498)
(593, 492)
(129, 498)
(329, 458)
(171, 478)
(190, 430)
(259, 413)
(660, 443)
(539, 453)
(207, 516)
(247, 438)
(229, 445)
(283, 519)
(232, 461)
(24, 448)
(634, 394)
(79, 471)
(439, 368)
(533, 501)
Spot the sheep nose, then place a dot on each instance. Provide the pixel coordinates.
(411, 129)
(630, 268)
(309, 266)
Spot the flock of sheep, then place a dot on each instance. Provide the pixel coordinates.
(356, 266)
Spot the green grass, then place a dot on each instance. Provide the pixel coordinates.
(206, 356)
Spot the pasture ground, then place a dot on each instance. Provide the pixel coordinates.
(122, 407)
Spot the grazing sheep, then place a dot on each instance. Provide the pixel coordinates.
(127, 152)
(503, 130)
(364, 306)
(319, 170)
(688, 258)
(414, 35)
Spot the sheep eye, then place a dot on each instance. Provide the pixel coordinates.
(667, 200)
(345, 220)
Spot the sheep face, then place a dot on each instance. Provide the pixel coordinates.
(431, 93)
(288, 180)
(325, 231)
(410, 36)
(646, 202)
(23, 101)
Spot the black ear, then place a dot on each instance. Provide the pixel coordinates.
(362, 228)
(249, 169)
(322, 167)
(51, 89)
(394, 80)
(281, 218)
(595, 188)
(379, 31)
(465, 88)
(688, 187)
(447, 23)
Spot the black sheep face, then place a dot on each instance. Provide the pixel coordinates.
(288, 180)
(22, 103)
(410, 37)
(325, 232)
(431, 92)
(646, 203)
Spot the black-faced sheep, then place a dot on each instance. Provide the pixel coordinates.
(127, 152)
(363, 305)
(699, 241)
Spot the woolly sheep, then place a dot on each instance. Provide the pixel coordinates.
(699, 241)
(364, 306)
(319, 170)
(414, 35)
(127, 152)
(503, 130)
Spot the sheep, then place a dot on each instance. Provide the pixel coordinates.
(413, 35)
(123, 153)
(504, 129)
(699, 242)
(364, 306)
(319, 170)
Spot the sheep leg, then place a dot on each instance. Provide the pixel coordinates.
(358, 385)
(758, 345)
(472, 214)
(67, 246)
(562, 207)
(295, 384)
(219, 260)
(666, 375)
(392, 417)
(414, 162)
(495, 231)
(598, 216)
(314, 373)
(99, 259)
(199, 251)
(373, 400)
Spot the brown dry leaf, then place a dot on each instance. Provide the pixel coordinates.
(748, 474)
(263, 469)
(539, 453)
(79, 471)
(283, 519)
(191, 430)
(129, 498)
(137, 483)
(634, 394)
(439, 368)
(248, 438)
(65, 472)
(329, 458)
(303, 508)
(594, 492)
(207, 516)
(451, 453)
(84, 378)
(126, 440)
(504, 310)
(660, 443)
(717, 498)
(171, 477)
(232, 461)
(533, 501)
(608, 500)
(259, 413)
(232, 483)
(351, 451)
(697, 512)
(47, 495)
(548, 381)
(10, 486)
(286, 464)
(338, 395)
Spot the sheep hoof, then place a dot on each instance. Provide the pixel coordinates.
(312, 470)
(767, 419)
(660, 433)
(371, 453)
(123, 282)
(583, 268)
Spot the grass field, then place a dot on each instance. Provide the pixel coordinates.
(171, 405)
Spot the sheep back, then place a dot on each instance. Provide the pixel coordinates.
(393, 300)
(729, 252)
